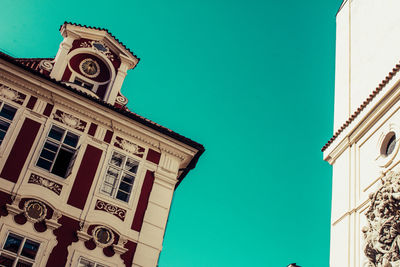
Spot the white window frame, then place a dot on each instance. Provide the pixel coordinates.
(17, 255)
(60, 144)
(118, 182)
(95, 263)
(2, 103)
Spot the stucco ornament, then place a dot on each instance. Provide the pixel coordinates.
(129, 147)
(10, 94)
(100, 47)
(382, 234)
(69, 120)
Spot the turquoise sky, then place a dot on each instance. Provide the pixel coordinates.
(253, 81)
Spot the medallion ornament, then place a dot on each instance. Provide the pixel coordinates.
(52, 186)
(382, 233)
(34, 210)
(103, 237)
(111, 209)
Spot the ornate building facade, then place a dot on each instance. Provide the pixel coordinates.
(83, 180)
(364, 150)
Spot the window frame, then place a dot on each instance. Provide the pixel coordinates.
(96, 264)
(60, 144)
(17, 256)
(10, 122)
(116, 187)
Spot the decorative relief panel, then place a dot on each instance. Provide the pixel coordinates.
(129, 147)
(11, 94)
(100, 47)
(110, 208)
(53, 186)
(70, 120)
(382, 234)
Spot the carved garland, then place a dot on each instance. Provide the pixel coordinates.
(46, 183)
(129, 147)
(111, 209)
(382, 234)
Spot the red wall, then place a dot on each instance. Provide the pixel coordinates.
(84, 177)
(22, 146)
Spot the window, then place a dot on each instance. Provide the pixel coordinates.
(120, 174)
(84, 84)
(18, 251)
(87, 263)
(7, 114)
(59, 151)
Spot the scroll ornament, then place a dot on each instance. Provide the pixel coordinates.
(382, 233)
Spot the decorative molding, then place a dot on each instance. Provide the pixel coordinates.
(39, 180)
(69, 120)
(46, 65)
(100, 47)
(11, 94)
(382, 234)
(129, 147)
(111, 209)
(121, 100)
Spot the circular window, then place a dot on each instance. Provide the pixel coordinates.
(103, 236)
(35, 210)
(388, 144)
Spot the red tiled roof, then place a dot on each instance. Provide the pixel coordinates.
(31, 65)
(363, 105)
(101, 29)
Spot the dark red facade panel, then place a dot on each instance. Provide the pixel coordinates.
(92, 129)
(127, 257)
(4, 199)
(20, 150)
(143, 201)
(108, 136)
(153, 156)
(49, 108)
(31, 102)
(66, 234)
(84, 177)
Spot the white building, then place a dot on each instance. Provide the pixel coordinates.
(364, 148)
(84, 181)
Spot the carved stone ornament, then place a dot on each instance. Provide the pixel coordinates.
(122, 100)
(11, 94)
(52, 186)
(111, 209)
(100, 47)
(382, 234)
(34, 210)
(129, 147)
(102, 236)
(46, 65)
(69, 120)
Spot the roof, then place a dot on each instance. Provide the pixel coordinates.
(363, 105)
(100, 29)
(32, 65)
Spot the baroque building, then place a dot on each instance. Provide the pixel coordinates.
(364, 149)
(84, 181)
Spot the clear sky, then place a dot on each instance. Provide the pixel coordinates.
(253, 81)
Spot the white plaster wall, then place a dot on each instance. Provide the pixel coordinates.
(339, 256)
(340, 186)
(375, 42)
(342, 68)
